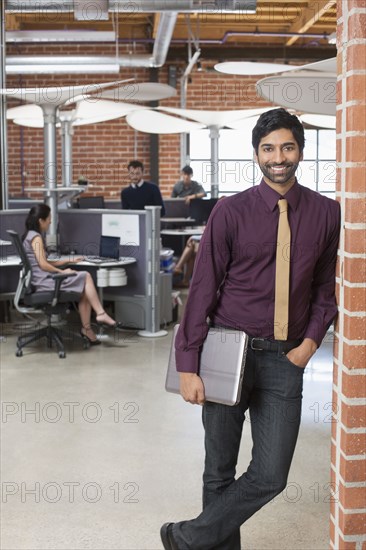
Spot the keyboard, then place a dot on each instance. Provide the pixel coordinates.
(100, 259)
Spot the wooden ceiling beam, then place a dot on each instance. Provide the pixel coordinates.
(311, 15)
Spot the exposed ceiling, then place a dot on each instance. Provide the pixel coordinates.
(287, 31)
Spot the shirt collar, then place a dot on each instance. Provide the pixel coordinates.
(134, 185)
(271, 197)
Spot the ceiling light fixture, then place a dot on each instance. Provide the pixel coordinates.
(251, 67)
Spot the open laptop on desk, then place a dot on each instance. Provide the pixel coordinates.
(108, 250)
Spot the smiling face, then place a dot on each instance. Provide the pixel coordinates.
(278, 158)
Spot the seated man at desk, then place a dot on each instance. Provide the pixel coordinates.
(188, 188)
(140, 193)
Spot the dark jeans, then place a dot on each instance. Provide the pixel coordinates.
(272, 392)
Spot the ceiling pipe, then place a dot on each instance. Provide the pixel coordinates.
(156, 59)
(46, 64)
(163, 38)
(270, 34)
(219, 41)
(183, 98)
(63, 35)
(126, 6)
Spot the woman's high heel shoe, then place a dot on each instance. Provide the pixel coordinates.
(105, 325)
(88, 340)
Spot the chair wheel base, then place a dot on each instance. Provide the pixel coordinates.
(86, 343)
(61, 354)
(19, 353)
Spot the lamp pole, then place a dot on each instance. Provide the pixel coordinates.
(50, 168)
(214, 137)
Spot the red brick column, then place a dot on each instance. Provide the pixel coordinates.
(348, 469)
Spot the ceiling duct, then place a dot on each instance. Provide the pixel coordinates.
(60, 36)
(84, 10)
(125, 6)
(50, 65)
(61, 65)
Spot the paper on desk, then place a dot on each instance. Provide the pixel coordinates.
(124, 226)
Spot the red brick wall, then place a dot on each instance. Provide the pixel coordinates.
(348, 469)
(102, 151)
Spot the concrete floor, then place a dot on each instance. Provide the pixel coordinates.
(96, 455)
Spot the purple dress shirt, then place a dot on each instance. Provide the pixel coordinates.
(233, 283)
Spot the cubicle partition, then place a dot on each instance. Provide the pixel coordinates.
(138, 303)
(80, 232)
(10, 219)
(19, 204)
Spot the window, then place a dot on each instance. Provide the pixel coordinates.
(238, 171)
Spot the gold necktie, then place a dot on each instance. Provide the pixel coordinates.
(282, 289)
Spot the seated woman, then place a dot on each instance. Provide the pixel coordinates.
(37, 223)
(187, 259)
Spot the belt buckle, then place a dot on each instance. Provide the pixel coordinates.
(254, 348)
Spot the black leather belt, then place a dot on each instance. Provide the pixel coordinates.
(262, 344)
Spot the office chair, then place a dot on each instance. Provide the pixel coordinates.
(50, 302)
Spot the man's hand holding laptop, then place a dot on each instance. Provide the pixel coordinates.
(192, 388)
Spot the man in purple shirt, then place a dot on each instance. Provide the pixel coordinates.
(233, 286)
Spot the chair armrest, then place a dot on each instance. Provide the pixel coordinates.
(58, 278)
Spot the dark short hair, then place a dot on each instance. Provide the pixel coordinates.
(275, 120)
(36, 213)
(135, 164)
(187, 170)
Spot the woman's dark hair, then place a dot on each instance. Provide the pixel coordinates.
(36, 213)
(275, 120)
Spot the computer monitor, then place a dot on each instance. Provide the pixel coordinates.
(91, 202)
(109, 247)
(200, 209)
(176, 208)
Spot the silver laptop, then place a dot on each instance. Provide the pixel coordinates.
(222, 364)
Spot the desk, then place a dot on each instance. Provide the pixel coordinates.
(5, 297)
(11, 261)
(182, 234)
(3, 245)
(179, 221)
(127, 260)
(15, 260)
